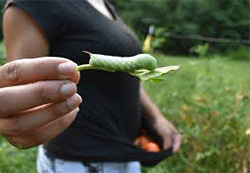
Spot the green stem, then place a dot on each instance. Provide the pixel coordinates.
(85, 67)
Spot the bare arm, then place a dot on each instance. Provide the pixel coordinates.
(22, 35)
(44, 89)
(171, 137)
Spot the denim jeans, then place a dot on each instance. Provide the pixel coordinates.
(49, 165)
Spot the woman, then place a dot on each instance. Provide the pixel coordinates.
(114, 104)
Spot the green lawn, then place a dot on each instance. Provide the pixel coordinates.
(207, 100)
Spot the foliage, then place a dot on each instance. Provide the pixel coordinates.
(209, 18)
(2, 2)
(13, 160)
(159, 40)
(202, 50)
(242, 53)
(2, 59)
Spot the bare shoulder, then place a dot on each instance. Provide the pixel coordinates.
(19, 18)
(22, 35)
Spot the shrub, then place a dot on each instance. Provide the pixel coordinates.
(2, 59)
(209, 18)
(242, 53)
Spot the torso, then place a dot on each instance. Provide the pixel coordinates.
(111, 107)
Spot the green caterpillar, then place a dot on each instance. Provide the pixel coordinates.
(125, 64)
(143, 66)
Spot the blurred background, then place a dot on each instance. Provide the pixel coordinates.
(208, 99)
(183, 24)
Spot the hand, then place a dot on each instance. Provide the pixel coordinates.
(38, 99)
(171, 137)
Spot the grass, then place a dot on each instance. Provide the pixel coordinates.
(13, 160)
(208, 100)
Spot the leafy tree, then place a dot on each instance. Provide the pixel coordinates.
(2, 2)
(208, 18)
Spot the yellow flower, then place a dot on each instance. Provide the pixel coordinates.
(147, 44)
(248, 132)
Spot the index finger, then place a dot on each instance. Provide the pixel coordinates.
(31, 70)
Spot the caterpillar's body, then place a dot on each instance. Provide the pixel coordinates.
(112, 63)
(143, 66)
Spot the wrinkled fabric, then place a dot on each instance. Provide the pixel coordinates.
(50, 165)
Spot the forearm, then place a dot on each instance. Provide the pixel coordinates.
(171, 137)
(152, 112)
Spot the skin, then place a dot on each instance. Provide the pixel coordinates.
(164, 128)
(25, 127)
(34, 106)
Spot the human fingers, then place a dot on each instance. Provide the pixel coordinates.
(177, 141)
(31, 70)
(43, 134)
(167, 142)
(20, 98)
(173, 140)
(33, 119)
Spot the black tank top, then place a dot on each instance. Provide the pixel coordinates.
(110, 115)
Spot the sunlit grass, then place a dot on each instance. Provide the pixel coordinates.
(208, 100)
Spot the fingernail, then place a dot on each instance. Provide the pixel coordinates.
(74, 101)
(68, 89)
(67, 68)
